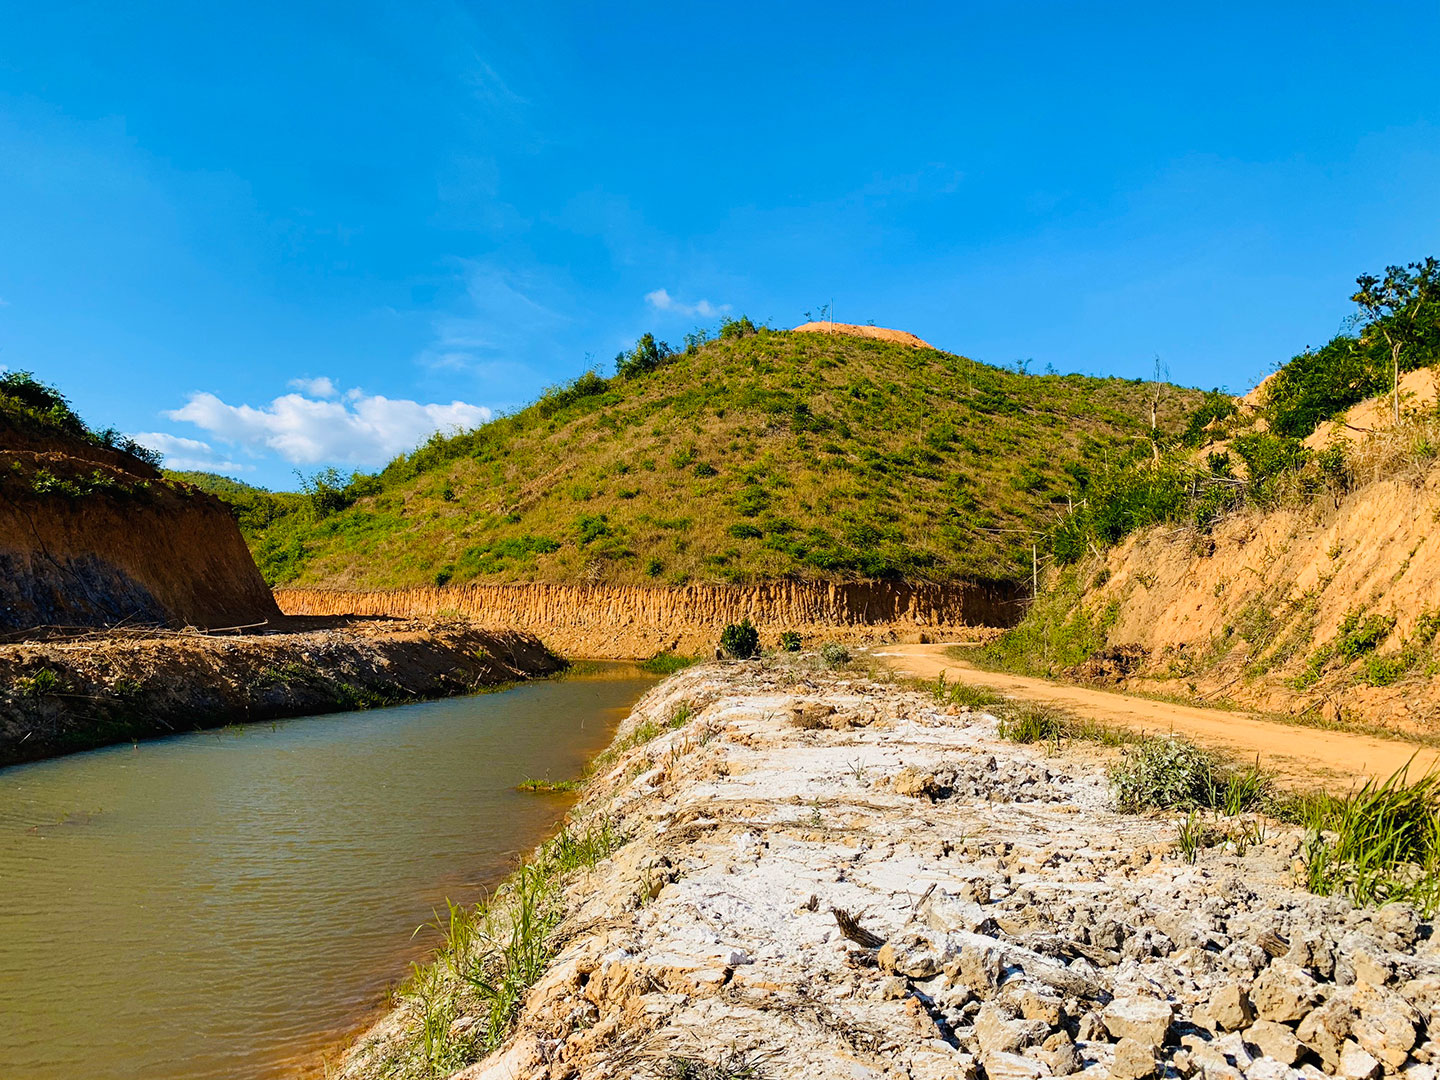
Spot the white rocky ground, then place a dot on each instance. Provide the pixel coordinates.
(1029, 929)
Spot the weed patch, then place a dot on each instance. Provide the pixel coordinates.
(667, 663)
(1378, 845)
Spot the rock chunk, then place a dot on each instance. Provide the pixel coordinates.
(1386, 1026)
(1356, 1063)
(1326, 1028)
(1284, 993)
(914, 955)
(1134, 1060)
(1274, 1041)
(1229, 1009)
(1143, 1020)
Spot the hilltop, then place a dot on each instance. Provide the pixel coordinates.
(759, 455)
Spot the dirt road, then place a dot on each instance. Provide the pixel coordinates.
(1297, 754)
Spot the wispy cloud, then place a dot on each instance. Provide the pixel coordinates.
(359, 429)
(506, 317)
(322, 387)
(182, 453)
(661, 300)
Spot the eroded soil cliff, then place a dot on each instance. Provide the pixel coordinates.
(1326, 611)
(90, 536)
(636, 622)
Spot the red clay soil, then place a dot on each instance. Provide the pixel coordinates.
(87, 542)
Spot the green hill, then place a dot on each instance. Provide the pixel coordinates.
(760, 455)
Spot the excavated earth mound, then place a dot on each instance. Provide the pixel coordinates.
(825, 876)
(60, 696)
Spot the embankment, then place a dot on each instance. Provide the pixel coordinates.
(90, 536)
(1328, 610)
(630, 622)
(811, 874)
(60, 696)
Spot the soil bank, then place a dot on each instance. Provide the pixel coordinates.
(626, 622)
(74, 693)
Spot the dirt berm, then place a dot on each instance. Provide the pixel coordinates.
(60, 696)
(818, 875)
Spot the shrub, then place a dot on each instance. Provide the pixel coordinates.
(1314, 386)
(1166, 773)
(790, 641)
(647, 355)
(737, 328)
(557, 398)
(1216, 407)
(834, 655)
(741, 640)
(1359, 636)
(1268, 456)
(743, 530)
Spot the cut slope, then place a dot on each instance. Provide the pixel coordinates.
(759, 457)
(91, 535)
(1319, 600)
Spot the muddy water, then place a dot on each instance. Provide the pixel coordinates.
(223, 904)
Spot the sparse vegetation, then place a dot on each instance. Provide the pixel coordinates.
(1377, 845)
(490, 955)
(834, 655)
(548, 786)
(39, 408)
(667, 663)
(802, 442)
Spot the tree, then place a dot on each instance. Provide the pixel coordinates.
(1402, 309)
(647, 355)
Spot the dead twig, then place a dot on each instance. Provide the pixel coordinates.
(851, 928)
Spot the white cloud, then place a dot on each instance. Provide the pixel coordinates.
(182, 453)
(321, 387)
(661, 300)
(360, 429)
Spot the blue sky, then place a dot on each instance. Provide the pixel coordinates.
(272, 237)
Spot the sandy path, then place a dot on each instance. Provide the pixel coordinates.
(1298, 754)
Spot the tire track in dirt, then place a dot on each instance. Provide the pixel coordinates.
(1297, 755)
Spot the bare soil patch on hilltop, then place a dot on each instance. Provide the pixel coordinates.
(876, 333)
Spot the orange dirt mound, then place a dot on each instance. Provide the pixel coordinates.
(879, 333)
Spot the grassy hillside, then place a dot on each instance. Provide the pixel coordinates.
(760, 455)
